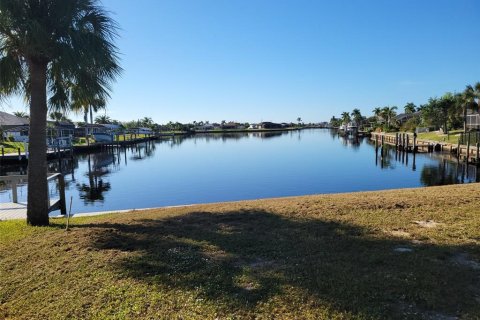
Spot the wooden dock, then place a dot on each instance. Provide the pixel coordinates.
(409, 143)
(11, 210)
(18, 210)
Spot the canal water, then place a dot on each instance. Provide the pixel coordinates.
(238, 166)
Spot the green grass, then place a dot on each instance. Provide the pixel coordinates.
(452, 137)
(12, 147)
(315, 257)
(130, 136)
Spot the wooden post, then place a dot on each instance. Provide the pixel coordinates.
(478, 153)
(406, 142)
(61, 185)
(19, 154)
(414, 142)
(14, 191)
(458, 146)
(468, 146)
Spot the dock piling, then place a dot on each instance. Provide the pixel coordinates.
(478, 153)
(468, 147)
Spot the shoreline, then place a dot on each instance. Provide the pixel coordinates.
(252, 201)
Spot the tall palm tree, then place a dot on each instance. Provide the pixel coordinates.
(446, 104)
(410, 107)
(357, 116)
(467, 101)
(377, 112)
(48, 47)
(346, 117)
(86, 102)
(147, 122)
(388, 113)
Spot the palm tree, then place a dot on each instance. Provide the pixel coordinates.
(388, 113)
(466, 100)
(410, 107)
(20, 114)
(147, 122)
(104, 119)
(346, 117)
(86, 102)
(299, 120)
(58, 116)
(47, 48)
(446, 104)
(378, 113)
(357, 116)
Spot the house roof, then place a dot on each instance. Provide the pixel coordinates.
(7, 119)
(406, 115)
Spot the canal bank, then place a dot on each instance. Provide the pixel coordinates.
(370, 255)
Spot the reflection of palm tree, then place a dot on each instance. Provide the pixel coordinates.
(96, 186)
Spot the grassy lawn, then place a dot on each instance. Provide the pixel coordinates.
(129, 136)
(452, 137)
(400, 254)
(12, 147)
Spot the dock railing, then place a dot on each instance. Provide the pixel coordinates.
(15, 180)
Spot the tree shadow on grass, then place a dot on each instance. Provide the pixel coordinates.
(243, 258)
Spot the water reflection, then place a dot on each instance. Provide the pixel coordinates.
(448, 172)
(445, 170)
(235, 166)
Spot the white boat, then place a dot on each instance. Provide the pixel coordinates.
(352, 128)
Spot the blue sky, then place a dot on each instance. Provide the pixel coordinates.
(277, 60)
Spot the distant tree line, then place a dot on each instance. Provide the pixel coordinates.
(448, 112)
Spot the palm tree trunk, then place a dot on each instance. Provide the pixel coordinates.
(91, 115)
(465, 119)
(37, 205)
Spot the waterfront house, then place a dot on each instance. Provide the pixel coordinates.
(141, 130)
(473, 120)
(112, 127)
(88, 129)
(13, 127)
(230, 126)
(17, 134)
(63, 129)
(269, 125)
(8, 121)
(205, 127)
(404, 117)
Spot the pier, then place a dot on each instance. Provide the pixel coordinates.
(409, 142)
(17, 209)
